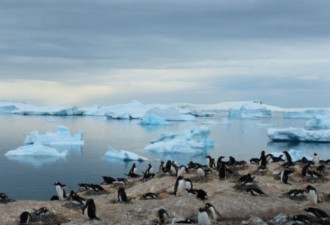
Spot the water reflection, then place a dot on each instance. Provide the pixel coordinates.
(36, 161)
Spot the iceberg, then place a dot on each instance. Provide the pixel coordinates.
(170, 114)
(298, 134)
(151, 119)
(36, 149)
(295, 155)
(250, 110)
(62, 136)
(123, 155)
(190, 141)
(318, 123)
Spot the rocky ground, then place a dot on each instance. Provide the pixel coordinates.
(235, 206)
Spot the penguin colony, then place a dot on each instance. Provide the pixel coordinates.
(187, 182)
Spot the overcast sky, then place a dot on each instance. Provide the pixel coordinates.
(79, 52)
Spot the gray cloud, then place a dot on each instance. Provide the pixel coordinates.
(227, 43)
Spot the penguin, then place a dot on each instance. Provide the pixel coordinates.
(121, 181)
(219, 162)
(181, 170)
(163, 216)
(285, 175)
(305, 170)
(263, 160)
(314, 174)
(60, 190)
(96, 187)
(255, 191)
(246, 180)
(54, 198)
(201, 172)
(174, 168)
(316, 159)
(312, 193)
(42, 212)
(254, 161)
(161, 167)
(320, 169)
(108, 180)
(213, 213)
(201, 194)
(288, 162)
(149, 195)
(167, 168)
(277, 159)
(194, 165)
(262, 168)
(148, 173)
(188, 184)
(179, 186)
(185, 221)
(296, 193)
(315, 212)
(301, 219)
(132, 172)
(122, 197)
(222, 171)
(76, 199)
(25, 218)
(210, 161)
(4, 198)
(203, 217)
(85, 186)
(89, 210)
(232, 161)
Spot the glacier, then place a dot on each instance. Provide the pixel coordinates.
(123, 155)
(61, 137)
(191, 140)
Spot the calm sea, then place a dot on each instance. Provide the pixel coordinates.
(33, 178)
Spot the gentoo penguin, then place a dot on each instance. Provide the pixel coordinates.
(222, 171)
(163, 216)
(288, 162)
(246, 180)
(285, 175)
(317, 213)
(4, 198)
(203, 217)
(148, 173)
(122, 197)
(60, 190)
(76, 199)
(108, 180)
(213, 213)
(185, 221)
(201, 172)
(179, 186)
(210, 161)
(296, 193)
(263, 160)
(201, 194)
(316, 159)
(312, 193)
(149, 195)
(121, 181)
(188, 184)
(255, 191)
(96, 187)
(149, 169)
(313, 174)
(42, 212)
(161, 167)
(277, 159)
(25, 218)
(89, 210)
(232, 161)
(219, 162)
(181, 170)
(254, 161)
(301, 219)
(54, 198)
(305, 170)
(262, 168)
(321, 169)
(132, 172)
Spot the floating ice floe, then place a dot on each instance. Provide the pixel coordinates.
(295, 155)
(305, 113)
(61, 137)
(123, 155)
(190, 141)
(298, 134)
(250, 110)
(170, 114)
(36, 149)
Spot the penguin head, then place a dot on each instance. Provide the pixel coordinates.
(309, 188)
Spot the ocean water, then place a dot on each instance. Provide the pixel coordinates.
(33, 178)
